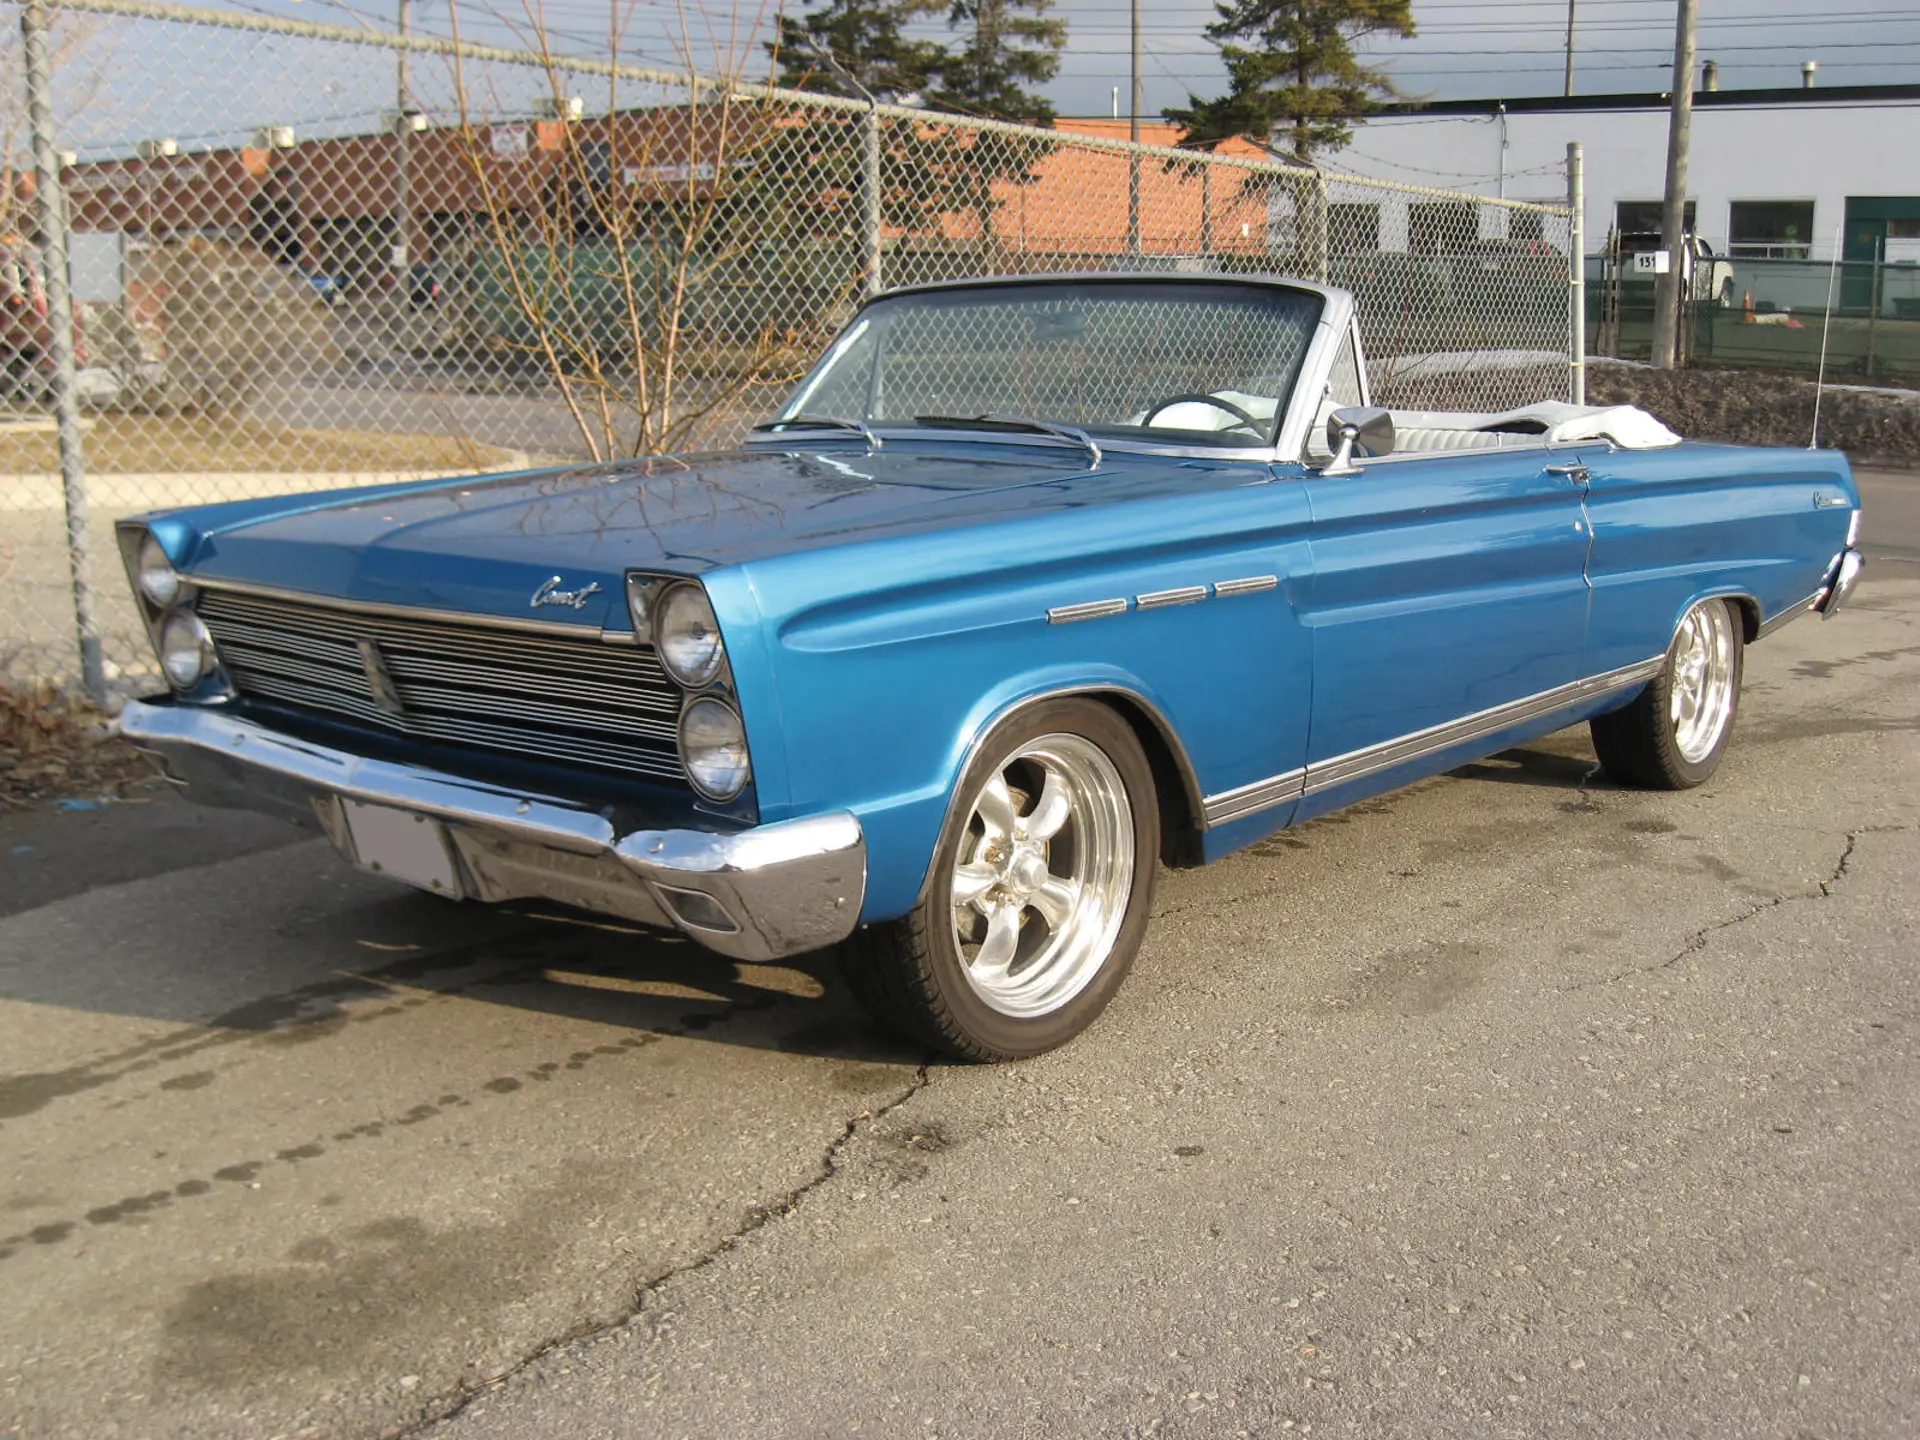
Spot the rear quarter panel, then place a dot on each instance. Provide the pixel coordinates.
(882, 664)
(1675, 526)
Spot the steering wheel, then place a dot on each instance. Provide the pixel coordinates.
(1214, 400)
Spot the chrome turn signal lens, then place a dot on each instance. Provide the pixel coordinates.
(159, 582)
(186, 650)
(713, 747)
(686, 636)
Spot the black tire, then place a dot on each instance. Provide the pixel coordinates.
(1639, 744)
(910, 975)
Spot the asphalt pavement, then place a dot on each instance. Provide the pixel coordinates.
(1509, 1104)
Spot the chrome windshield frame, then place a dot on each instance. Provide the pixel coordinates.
(1336, 321)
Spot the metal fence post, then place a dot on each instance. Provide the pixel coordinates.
(52, 209)
(1577, 273)
(1322, 229)
(1874, 301)
(870, 220)
(1206, 210)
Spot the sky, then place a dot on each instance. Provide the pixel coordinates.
(125, 80)
(1465, 48)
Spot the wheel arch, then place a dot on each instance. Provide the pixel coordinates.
(1176, 788)
(1177, 793)
(1743, 602)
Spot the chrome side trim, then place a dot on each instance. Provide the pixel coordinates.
(1790, 613)
(1355, 765)
(1246, 585)
(1252, 799)
(1358, 764)
(401, 612)
(1086, 610)
(1160, 599)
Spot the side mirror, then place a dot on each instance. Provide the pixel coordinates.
(1366, 431)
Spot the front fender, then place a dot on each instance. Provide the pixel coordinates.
(877, 668)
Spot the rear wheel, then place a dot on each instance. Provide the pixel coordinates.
(1671, 737)
(1038, 896)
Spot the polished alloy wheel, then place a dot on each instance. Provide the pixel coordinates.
(1044, 872)
(1704, 662)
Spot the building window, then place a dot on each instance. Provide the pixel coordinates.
(1355, 227)
(1445, 227)
(1642, 217)
(1770, 229)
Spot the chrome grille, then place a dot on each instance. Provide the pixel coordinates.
(578, 702)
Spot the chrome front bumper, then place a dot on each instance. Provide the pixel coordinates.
(755, 894)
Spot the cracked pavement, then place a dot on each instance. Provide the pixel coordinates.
(1511, 1103)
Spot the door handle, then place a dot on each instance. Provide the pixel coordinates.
(1579, 474)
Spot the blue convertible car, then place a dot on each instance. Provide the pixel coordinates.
(1033, 585)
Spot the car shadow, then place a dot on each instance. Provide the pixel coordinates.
(293, 944)
(1572, 768)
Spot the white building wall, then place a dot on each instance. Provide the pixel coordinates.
(1818, 152)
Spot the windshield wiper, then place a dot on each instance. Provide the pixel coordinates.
(1016, 425)
(805, 421)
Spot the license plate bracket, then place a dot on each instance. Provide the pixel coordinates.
(402, 845)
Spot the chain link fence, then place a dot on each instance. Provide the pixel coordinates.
(306, 258)
(1862, 317)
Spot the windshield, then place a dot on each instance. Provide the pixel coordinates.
(1175, 362)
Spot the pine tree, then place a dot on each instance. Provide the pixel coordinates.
(1291, 68)
(868, 39)
(811, 169)
(1011, 45)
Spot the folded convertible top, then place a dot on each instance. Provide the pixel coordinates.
(1555, 421)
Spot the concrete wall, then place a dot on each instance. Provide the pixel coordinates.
(1814, 151)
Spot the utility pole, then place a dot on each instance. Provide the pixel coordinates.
(1670, 289)
(1133, 133)
(402, 144)
(1569, 89)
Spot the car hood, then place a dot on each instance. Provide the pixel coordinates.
(486, 544)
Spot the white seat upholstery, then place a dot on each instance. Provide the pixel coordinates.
(1552, 422)
(1424, 438)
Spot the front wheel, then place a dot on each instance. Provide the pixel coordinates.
(1672, 735)
(1038, 895)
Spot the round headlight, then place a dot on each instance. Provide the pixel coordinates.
(157, 578)
(687, 637)
(186, 650)
(713, 745)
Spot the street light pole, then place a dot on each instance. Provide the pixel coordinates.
(1670, 289)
